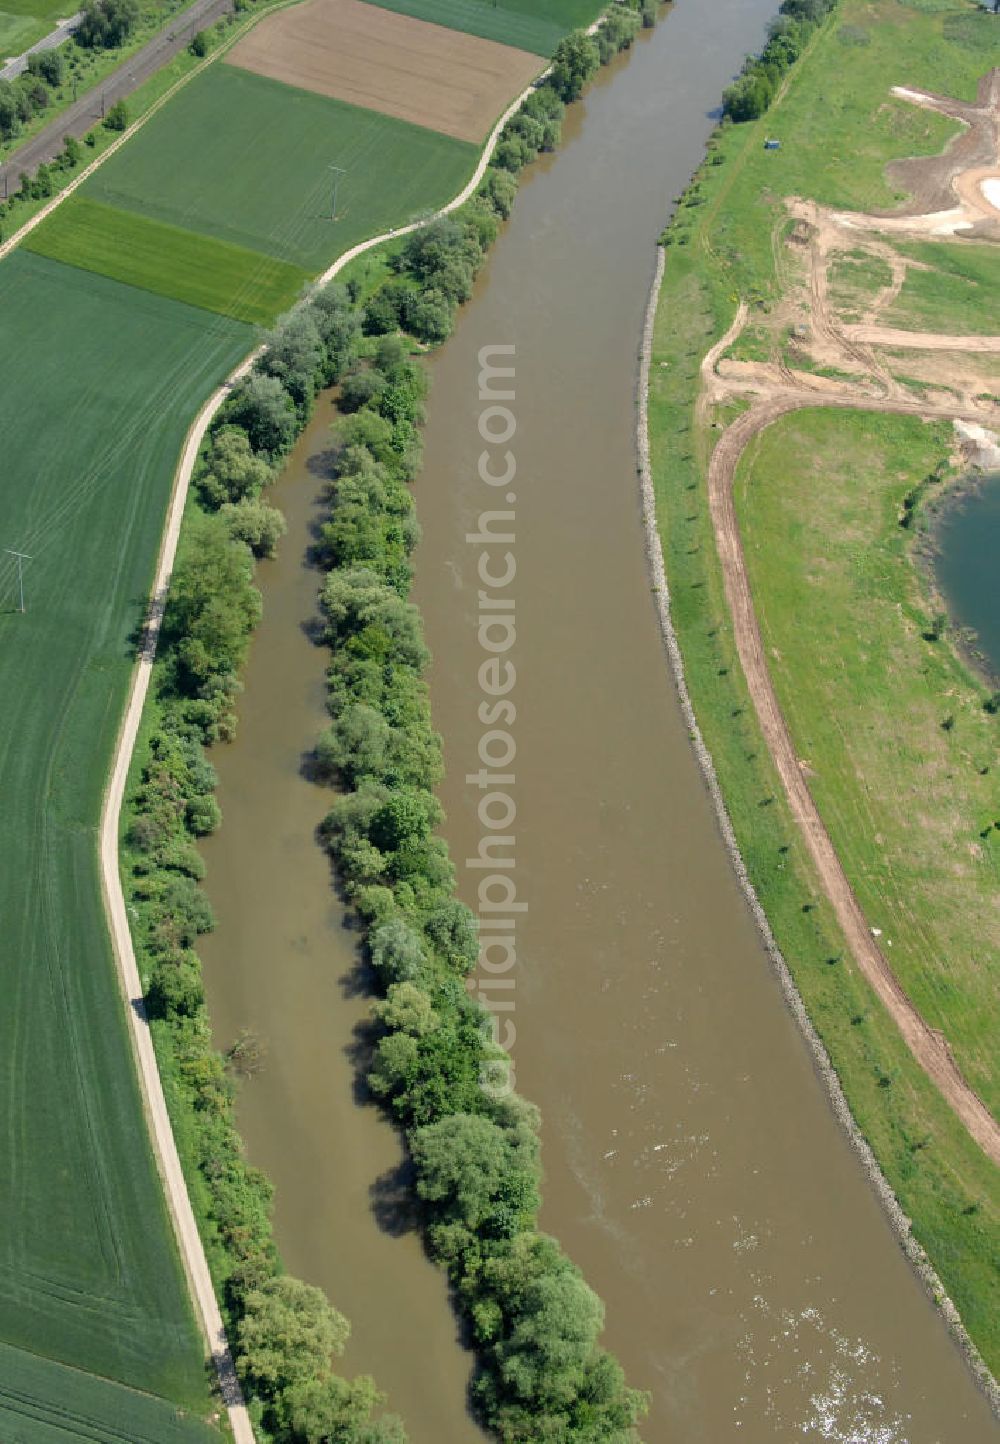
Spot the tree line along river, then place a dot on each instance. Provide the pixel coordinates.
(693, 1167)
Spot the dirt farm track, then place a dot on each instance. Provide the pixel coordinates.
(442, 79)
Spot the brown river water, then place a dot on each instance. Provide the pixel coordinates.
(693, 1166)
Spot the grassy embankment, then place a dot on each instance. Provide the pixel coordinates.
(900, 793)
(101, 380)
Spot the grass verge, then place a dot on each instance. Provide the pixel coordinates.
(892, 727)
(86, 69)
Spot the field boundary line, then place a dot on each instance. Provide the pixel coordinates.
(158, 1117)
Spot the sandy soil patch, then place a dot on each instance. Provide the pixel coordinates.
(448, 81)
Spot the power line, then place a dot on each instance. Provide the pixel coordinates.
(336, 184)
(22, 557)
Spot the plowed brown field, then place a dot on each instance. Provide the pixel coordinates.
(426, 74)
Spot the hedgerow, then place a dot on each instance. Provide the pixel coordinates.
(749, 97)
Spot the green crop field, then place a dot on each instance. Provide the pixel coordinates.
(171, 261)
(42, 1402)
(247, 159)
(536, 25)
(100, 382)
(839, 126)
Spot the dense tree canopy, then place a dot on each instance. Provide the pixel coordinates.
(106, 23)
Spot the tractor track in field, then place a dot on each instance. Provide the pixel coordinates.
(775, 390)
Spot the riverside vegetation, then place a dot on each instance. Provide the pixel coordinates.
(894, 727)
(534, 1321)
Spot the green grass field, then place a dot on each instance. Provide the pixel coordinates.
(19, 32)
(839, 128)
(247, 160)
(42, 1402)
(168, 260)
(100, 382)
(536, 25)
(843, 610)
(48, 10)
(957, 292)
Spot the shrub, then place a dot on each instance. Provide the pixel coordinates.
(47, 65)
(361, 388)
(232, 471)
(106, 23)
(257, 525)
(262, 407)
(293, 356)
(117, 117)
(573, 65)
(384, 310)
(396, 951)
(429, 316)
(71, 153)
(500, 188)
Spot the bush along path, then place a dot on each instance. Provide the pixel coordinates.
(533, 1319)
